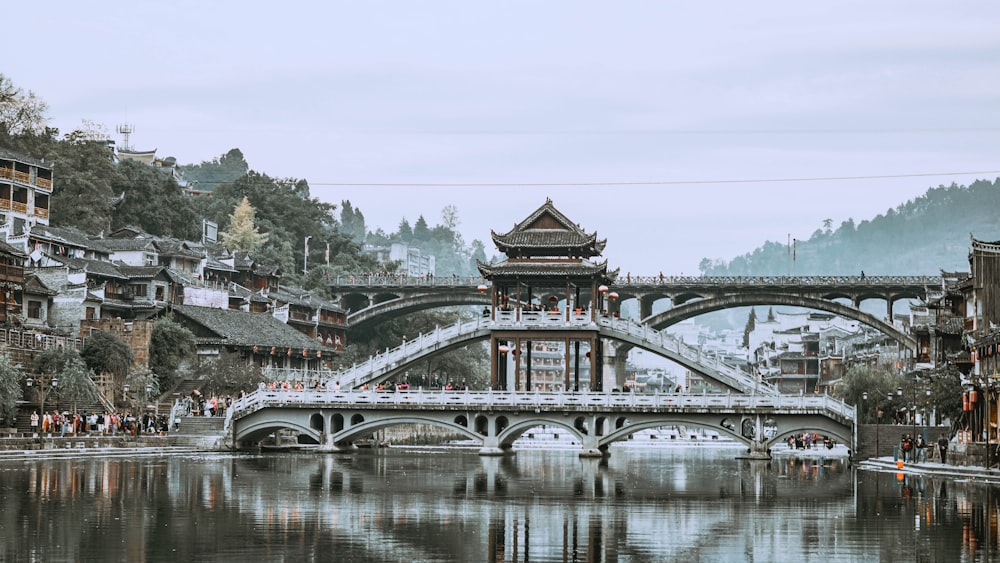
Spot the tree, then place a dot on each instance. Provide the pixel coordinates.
(142, 387)
(750, 326)
(153, 201)
(171, 344)
(106, 354)
(10, 389)
(21, 112)
(449, 217)
(242, 235)
(230, 373)
(86, 177)
(76, 382)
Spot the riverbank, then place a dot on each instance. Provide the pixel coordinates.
(965, 472)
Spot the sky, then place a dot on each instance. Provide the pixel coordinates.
(676, 130)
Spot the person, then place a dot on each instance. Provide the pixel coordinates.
(943, 448)
(907, 447)
(921, 446)
(34, 423)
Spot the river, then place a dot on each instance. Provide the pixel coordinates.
(642, 504)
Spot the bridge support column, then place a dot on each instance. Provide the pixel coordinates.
(491, 447)
(591, 449)
(329, 446)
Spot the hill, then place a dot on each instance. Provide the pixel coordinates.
(921, 236)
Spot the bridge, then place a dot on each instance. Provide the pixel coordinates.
(383, 366)
(370, 298)
(494, 420)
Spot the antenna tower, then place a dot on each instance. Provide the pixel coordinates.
(125, 129)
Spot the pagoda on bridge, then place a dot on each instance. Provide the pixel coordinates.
(545, 301)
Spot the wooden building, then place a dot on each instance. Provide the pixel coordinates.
(547, 289)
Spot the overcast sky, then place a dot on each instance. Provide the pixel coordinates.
(673, 129)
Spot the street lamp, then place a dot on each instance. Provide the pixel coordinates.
(305, 255)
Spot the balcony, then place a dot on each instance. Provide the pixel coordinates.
(44, 183)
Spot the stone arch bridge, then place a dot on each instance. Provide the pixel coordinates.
(494, 420)
(377, 297)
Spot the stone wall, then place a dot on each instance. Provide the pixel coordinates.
(886, 437)
(136, 334)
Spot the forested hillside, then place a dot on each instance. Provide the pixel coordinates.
(921, 236)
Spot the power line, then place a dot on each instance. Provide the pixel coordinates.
(641, 183)
(617, 183)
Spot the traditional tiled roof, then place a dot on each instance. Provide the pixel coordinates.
(97, 267)
(238, 328)
(547, 232)
(123, 244)
(583, 269)
(8, 249)
(301, 297)
(36, 286)
(175, 247)
(67, 236)
(138, 272)
(11, 155)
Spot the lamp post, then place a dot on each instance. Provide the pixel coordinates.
(46, 384)
(305, 255)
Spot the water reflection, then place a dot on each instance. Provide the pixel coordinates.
(451, 505)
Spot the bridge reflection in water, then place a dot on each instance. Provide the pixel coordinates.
(494, 420)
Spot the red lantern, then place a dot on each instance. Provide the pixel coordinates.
(481, 288)
(965, 401)
(973, 397)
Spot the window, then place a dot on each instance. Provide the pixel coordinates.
(91, 313)
(34, 309)
(139, 289)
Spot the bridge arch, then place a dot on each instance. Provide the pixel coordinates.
(401, 305)
(375, 424)
(515, 431)
(699, 307)
(258, 428)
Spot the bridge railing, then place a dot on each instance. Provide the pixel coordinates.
(571, 401)
(373, 280)
(677, 346)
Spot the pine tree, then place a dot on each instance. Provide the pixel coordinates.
(242, 236)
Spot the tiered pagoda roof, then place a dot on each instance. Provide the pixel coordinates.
(546, 244)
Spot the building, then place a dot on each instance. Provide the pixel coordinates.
(548, 273)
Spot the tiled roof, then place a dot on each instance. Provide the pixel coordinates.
(61, 235)
(8, 249)
(11, 155)
(123, 244)
(548, 232)
(98, 267)
(238, 328)
(544, 269)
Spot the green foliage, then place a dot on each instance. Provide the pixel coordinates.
(85, 179)
(919, 237)
(878, 382)
(104, 353)
(76, 382)
(750, 326)
(171, 344)
(229, 374)
(11, 377)
(139, 380)
(242, 236)
(225, 169)
(153, 201)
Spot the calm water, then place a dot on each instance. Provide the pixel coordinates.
(426, 504)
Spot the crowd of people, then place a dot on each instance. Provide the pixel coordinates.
(55, 423)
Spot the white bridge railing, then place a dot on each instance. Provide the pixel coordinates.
(382, 363)
(437, 400)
